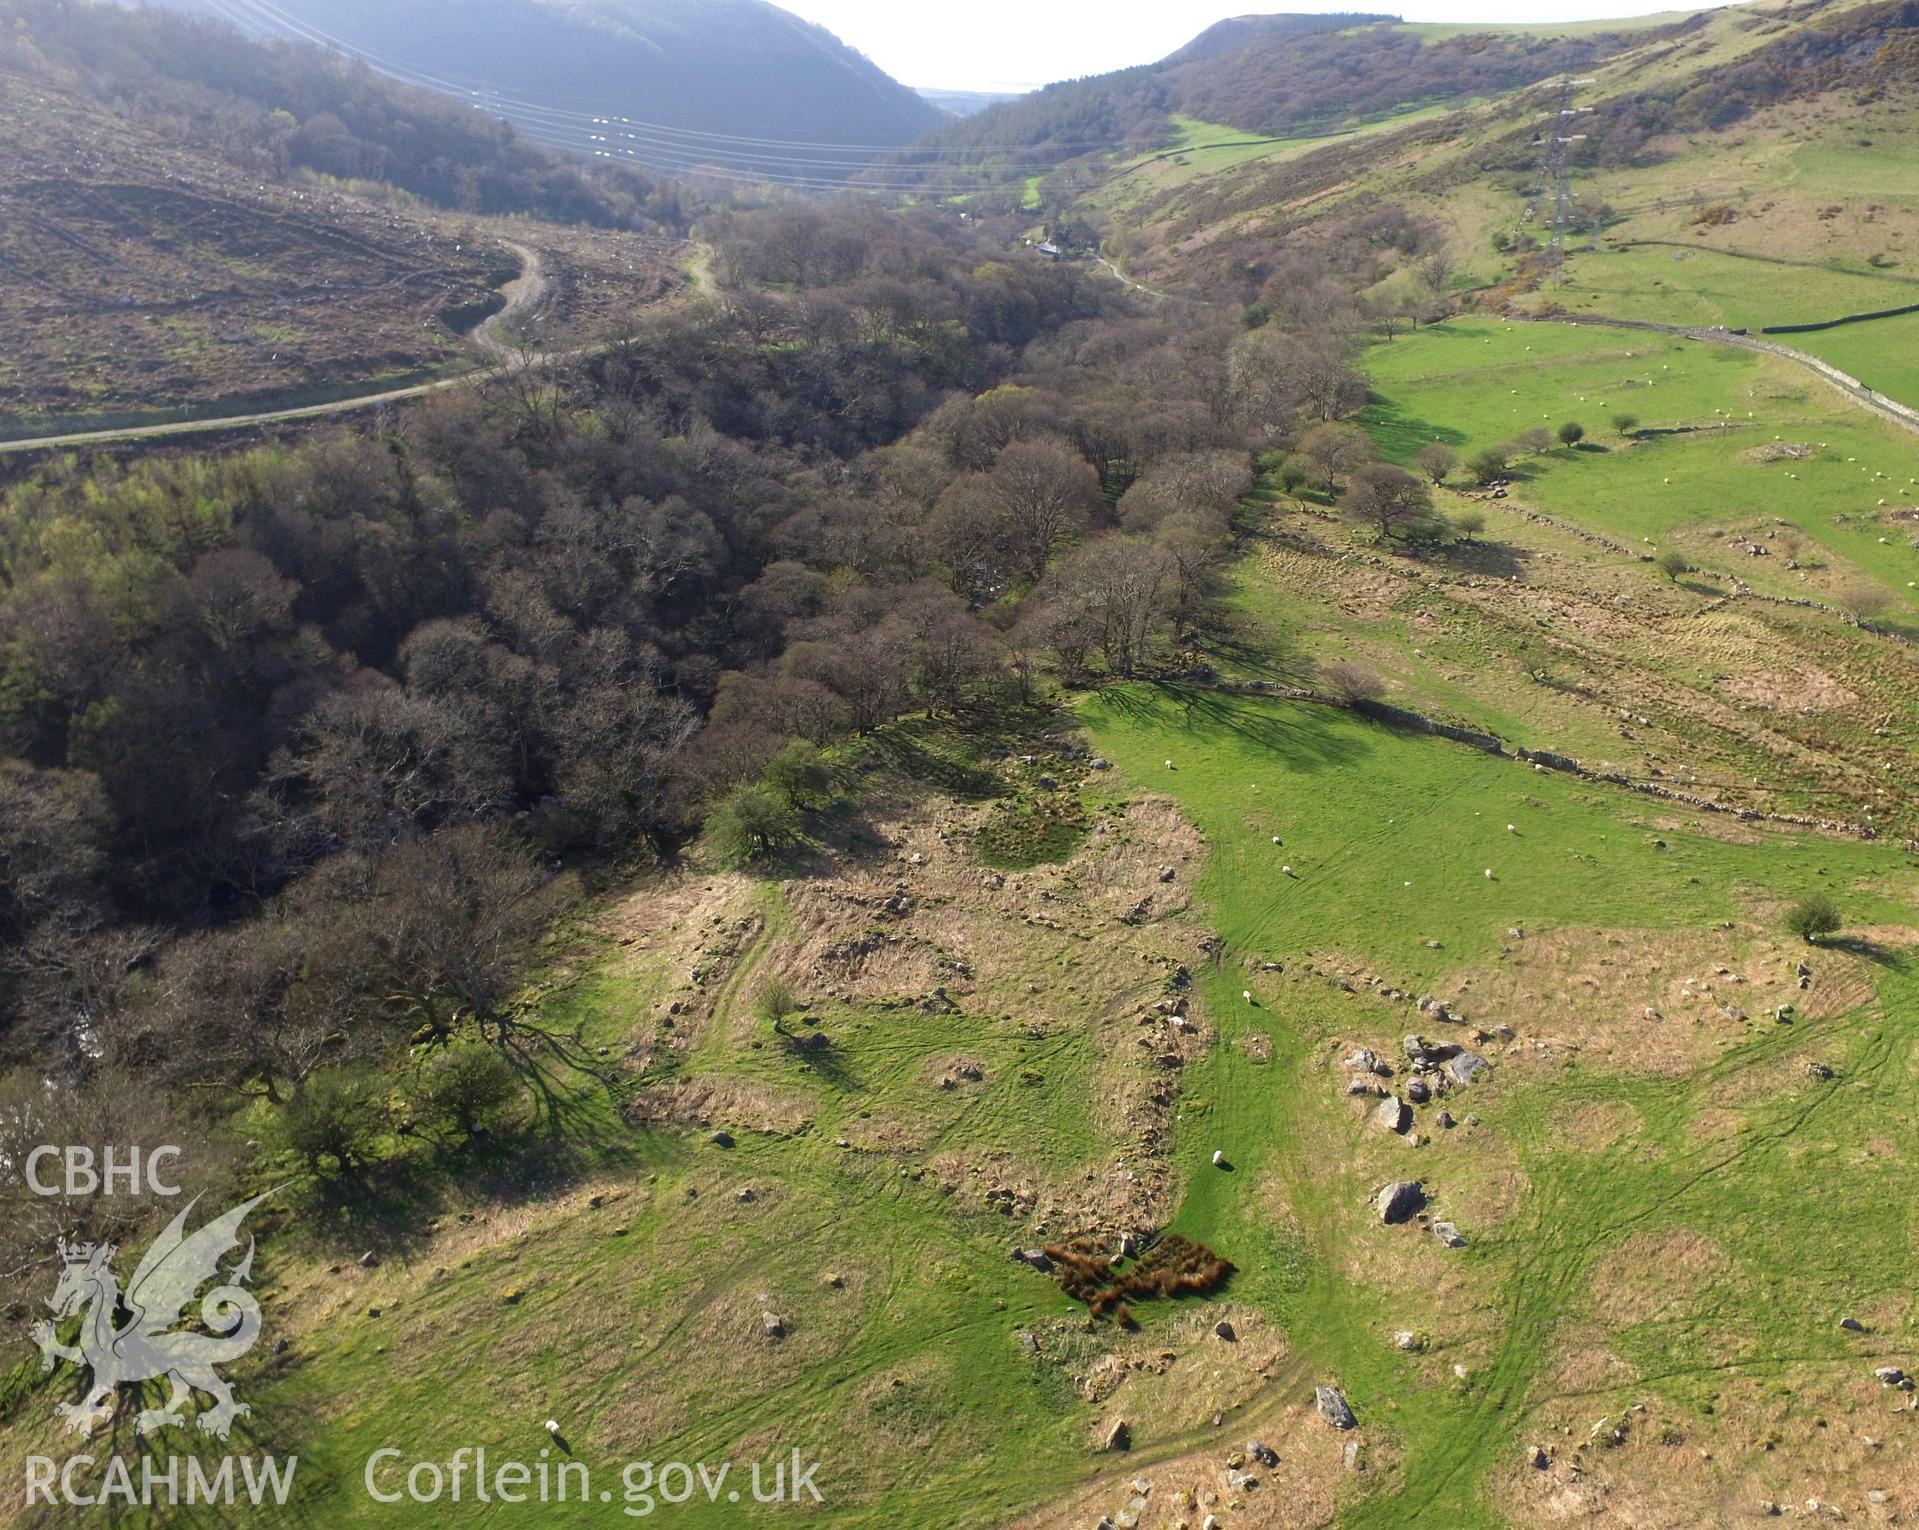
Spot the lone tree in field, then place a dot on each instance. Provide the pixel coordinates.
(1435, 461)
(1335, 452)
(1813, 918)
(774, 1002)
(1625, 423)
(753, 822)
(1393, 502)
(467, 1087)
(1490, 463)
(1672, 563)
(1865, 603)
(1352, 683)
(1571, 433)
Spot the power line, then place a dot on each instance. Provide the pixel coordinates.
(262, 16)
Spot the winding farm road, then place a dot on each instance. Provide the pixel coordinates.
(1886, 408)
(524, 293)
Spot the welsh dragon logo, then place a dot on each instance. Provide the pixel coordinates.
(152, 1341)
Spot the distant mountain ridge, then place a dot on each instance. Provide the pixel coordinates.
(1261, 74)
(719, 81)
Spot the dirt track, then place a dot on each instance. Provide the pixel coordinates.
(524, 293)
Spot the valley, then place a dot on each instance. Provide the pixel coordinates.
(819, 781)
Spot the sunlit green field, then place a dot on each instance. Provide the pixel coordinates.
(1702, 412)
(1390, 838)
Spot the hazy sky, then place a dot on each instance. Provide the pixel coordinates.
(1017, 44)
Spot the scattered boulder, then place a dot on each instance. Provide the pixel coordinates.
(1408, 1341)
(1853, 1324)
(721, 1138)
(1393, 1114)
(1263, 1453)
(1399, 1200)
(1448, 1235)
(1120, 1436)
(1334, 1408)
(1362, 1061)
(1889, 1375)
(1467, 1067)
(1418, 1091)
(775, 1329)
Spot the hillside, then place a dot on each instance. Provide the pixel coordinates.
(198, 220)
(725, 86)
(1258, 874)
(1259, 75)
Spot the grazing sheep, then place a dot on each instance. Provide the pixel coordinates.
(1246, 994)
(1219, 1158)
(1489, 873)
(552, 1426)
(1512, 828)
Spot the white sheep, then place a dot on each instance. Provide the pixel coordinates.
(1275, 839)
(1218, 1158)
(1512, 828)
(1285, 871)
(1169, 764)
(1246, 994)
(1489, 873)
(553, 1426)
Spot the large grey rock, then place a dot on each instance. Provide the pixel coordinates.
(1399, 1200)
(1393, 1114)
(1334, 1408)
(1467, 1067)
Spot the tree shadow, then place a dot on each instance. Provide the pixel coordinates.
(1399, 434)
(901, 748)
(1278, 729)
(1234, 641)
(816, 1052)
(1493, 560)
(1874, 951)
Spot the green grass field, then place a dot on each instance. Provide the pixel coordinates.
(1702, 411)
(1390, 836)
(1704, 288)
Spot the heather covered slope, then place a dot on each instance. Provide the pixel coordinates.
(724, 71)
(198, 222)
